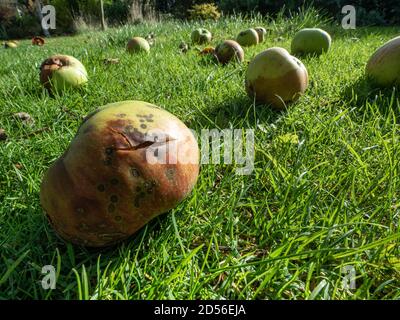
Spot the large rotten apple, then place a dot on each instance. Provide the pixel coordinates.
(62, 71)
(276, 78)
(129, 162)
(384, 65)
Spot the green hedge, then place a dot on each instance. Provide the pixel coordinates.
(369, 12)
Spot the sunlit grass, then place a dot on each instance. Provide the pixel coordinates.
(324, 193)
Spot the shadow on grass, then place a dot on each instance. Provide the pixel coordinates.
(363, 94)
(236, 112)
(361, 32)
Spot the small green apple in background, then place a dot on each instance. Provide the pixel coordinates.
(275, 77)
(106, 186)
(10, 44)
(384, 65)
(247, 38)
(60, 72)
(201, 36)
(229, 50)
(138, 44)
(262, 32)
(311, 41)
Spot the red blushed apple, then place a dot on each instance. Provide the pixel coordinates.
(229, 50)
(129, 162)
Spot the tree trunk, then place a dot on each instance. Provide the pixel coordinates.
(103, 22)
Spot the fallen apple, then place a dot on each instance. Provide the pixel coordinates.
(38, 41)
(311, 41)
(60, 72)
(138, 44)
(247, 38)
(275, 77)
(129, 162)
(229, 50)
(384, 65)
(10, 44)
(201, 36)
(262, 32)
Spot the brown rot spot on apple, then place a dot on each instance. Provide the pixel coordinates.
(121, 115)
(114, 181)
(149, 186)
(101, 188)
(170, 173)
(111, 208)
(83, 227)
(135, 172)
(118, 218)
(143, 126)
(136, 202)
(109, 151)
(80, 210)
(108, 161)
(114, 198)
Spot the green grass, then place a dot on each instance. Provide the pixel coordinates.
(324, 194)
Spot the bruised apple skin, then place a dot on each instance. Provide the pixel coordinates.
(138, 44)
(62, 71)
(276, 78)
(228, 51)
(384, 65)
(110, 182)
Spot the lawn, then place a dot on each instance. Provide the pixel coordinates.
(324, 196)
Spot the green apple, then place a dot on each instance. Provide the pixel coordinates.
(384, 65)
(276, 78)
(262, 32)
(247, 38)
(229, 50)
(311, 41)
(201, 36)
(62, 71)
(138, 44)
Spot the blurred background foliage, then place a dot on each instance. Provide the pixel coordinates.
(18, 18)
